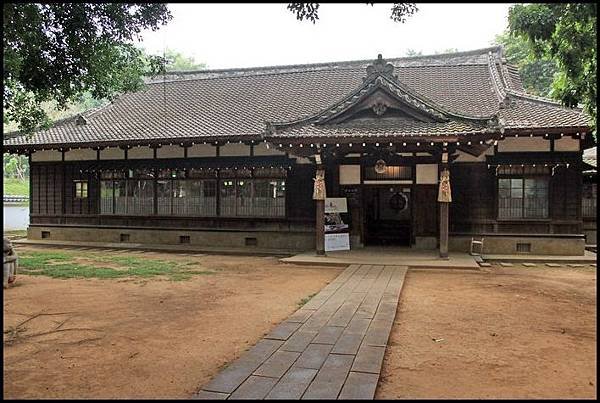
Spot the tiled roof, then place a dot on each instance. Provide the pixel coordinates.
(590, 157)
(239, 102)
(382, 128)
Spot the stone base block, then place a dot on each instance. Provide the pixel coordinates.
(558, 245)
(293, 241)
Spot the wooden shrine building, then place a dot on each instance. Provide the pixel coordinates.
(228, 158)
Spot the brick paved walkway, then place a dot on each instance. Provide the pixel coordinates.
(330, 348)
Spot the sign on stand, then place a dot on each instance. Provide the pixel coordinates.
(337, 242)
(336, 230)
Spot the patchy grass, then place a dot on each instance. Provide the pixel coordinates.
(67, 265)
(16, 187)
(304, 300)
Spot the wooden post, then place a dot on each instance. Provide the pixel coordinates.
(320, 228)
(444, 230)
(444, 199)
(319, 197)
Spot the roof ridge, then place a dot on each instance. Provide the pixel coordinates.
(320, 65)
(534, 98)
(498, 84)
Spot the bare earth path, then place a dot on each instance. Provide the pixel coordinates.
(135, 338)
(514, 332)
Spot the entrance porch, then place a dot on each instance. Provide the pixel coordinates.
(387, 255)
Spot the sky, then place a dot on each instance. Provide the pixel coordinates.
(249, 35)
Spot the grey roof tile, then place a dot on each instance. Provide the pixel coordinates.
(238, 102)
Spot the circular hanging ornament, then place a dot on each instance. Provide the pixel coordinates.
(398, 202)
(380, 166)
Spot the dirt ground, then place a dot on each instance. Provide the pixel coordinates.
(514, 332)
(135, 338)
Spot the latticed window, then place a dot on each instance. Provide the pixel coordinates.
(588, 200)
(257, 193)
(130, 193)
(241, 192)
(523, 197)
(81, 189)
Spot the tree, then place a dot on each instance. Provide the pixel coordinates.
(412, 52)
(15, 166)
(565, 33)
(55, 52)
(448, 50)
(310, 11)
(537, 72)
(178, 62)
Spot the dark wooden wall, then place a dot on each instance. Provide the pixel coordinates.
(53, 201)
(473, 207)
(474, 203)
(299, 190)
(473, 210)
(425, 205)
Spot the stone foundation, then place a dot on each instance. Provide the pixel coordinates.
(559, 245)
(293, 241)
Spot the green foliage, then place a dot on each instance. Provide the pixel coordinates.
(64, 265)
(412, 52)
(59, 51)
(53, 112)
(304, 300)
(178, 62)
(402, 10)
(444, 51)
(536, 71)
(310, 11)
(16, 187)
(565, 33)
(15, 166)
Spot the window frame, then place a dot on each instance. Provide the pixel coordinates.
(177, 177)
(80, 190)
(593, 190)
(524, 177)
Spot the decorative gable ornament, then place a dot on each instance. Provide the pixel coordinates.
(379, 108)
(380, 68)
(80, 121)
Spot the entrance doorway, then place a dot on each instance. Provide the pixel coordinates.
(388, 215)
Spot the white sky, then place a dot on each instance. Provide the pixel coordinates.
(246, 35)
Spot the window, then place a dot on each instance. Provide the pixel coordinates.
(258, 193)
(241, 192)
(194, 194)
(81, 189)
(588, 200)
(131, 193)
(523, 197)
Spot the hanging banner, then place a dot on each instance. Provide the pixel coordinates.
(444, 193)
(319, 185)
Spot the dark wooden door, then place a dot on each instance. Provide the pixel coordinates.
(387, 215)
